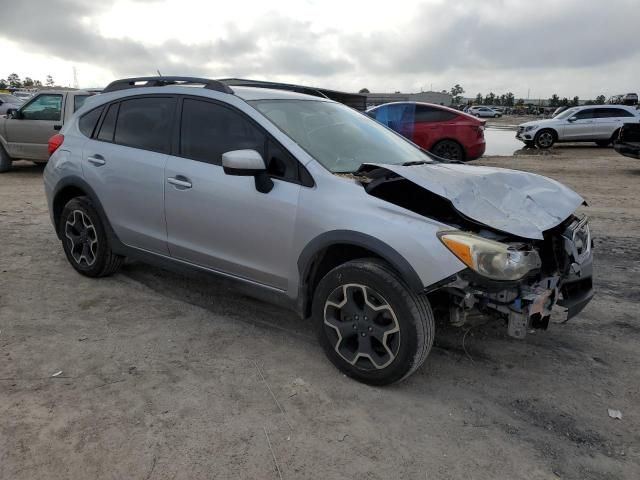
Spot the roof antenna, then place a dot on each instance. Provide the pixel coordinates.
(159, 74)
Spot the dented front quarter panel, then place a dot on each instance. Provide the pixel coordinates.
(350, 208)
(519, 203)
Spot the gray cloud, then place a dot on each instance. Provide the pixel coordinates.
(471, 40)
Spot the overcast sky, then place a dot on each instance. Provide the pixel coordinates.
(568, 47)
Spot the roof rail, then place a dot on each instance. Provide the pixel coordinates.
(275, 86)
(139, 82)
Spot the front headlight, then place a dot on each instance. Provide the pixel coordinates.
(530, 127)
(494, 260)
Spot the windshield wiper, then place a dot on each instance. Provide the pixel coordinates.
(416, 162)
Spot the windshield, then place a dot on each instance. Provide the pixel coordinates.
(566, 113)
(338, 137)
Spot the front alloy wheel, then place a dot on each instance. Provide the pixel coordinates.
(362, 326)
(545, 139)
(371, 325)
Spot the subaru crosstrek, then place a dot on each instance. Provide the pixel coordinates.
(316, 206)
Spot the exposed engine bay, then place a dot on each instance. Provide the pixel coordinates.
(550, 251)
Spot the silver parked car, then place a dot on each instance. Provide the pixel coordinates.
(594, 123)
(9, 102)
(313, 205)
(484, 112)
(24, 133)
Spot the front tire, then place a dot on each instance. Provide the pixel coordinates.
(371, 325)
(545, 139)
(5, 160)
(84, 240)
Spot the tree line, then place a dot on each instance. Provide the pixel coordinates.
(14, 81)
(508, 99)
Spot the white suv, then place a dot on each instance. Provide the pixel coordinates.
(593, 123)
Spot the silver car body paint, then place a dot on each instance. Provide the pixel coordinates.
(519, 203)
(222, 224)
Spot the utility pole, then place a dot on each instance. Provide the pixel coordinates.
(75, 78)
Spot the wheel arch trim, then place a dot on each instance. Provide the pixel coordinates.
(74, 181)
(315, 247)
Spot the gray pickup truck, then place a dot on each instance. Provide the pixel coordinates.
(25, 132)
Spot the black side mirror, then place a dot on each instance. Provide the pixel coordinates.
(248, 163)
(13, 113)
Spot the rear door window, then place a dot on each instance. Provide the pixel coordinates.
(613, 113)
(431, 114)
(145, 123)
(208, 130)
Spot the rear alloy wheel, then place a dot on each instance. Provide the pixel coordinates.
(84, 240)
(448, 149)
(370, 324)
(544, 139)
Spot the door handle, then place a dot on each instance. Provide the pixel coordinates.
(180, 181)
(97, 160)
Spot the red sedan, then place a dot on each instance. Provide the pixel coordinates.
(443, 131)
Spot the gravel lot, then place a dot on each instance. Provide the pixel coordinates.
(169, 377)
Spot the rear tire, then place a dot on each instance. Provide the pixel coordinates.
(448, 149)
(545, 139)
(5, 160)
(371, 325)
(84, 240)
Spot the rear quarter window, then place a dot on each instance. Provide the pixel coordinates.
(87, 123)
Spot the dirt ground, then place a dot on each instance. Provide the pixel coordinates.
(169, 377)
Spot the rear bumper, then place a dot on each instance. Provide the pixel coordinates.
(476, 150)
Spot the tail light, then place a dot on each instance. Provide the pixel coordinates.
(480, 130)
(55, 142)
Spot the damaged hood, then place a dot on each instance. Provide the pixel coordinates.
(519, 203)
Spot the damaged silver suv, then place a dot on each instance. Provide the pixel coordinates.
(311, 204)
